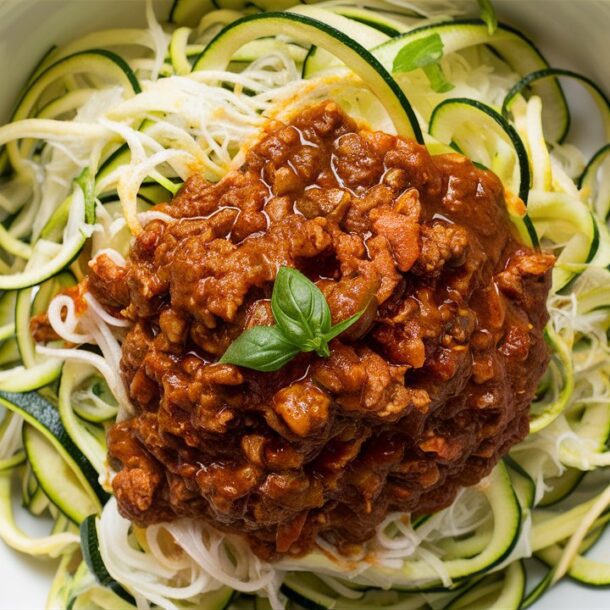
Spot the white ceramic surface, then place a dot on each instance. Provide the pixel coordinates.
(572, 33)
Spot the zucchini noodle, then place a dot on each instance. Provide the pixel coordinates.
(115, 121)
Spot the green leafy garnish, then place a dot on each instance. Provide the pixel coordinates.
(419, 54)
(262, 348)
(300, 309)
(488, 15)
(424, 53)
(303, 324)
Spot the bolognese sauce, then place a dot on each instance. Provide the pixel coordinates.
(421, 397)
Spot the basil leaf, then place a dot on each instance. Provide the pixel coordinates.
(299, 308)
(318, 345)
(419, 54)
(488, 15)
(437, 79)
(262, 348)
(424, 53)
(337, 329)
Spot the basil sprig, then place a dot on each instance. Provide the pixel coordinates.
(303, 324)
(424, 53)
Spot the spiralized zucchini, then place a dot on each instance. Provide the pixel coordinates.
(115, 121)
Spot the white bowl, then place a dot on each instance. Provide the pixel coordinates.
(571, 33)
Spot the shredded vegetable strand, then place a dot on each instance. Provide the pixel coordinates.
(161, 122)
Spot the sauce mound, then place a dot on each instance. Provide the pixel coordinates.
(419, 398)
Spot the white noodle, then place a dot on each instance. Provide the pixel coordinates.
(111, 375)
(131, 180)
(63, 320)
(115, 256)
(103, 314)
(146, 217)
(159, 37)
(11, 439)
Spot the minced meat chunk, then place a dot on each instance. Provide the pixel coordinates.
(421, 397)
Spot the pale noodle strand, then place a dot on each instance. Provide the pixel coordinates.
(11, 439)
(113, 255)
(141, 572)
(131, 180)
(63, 320)
(236, 567)
(146, 217)
(51, 129)
(179, 562)
(111, 375)
(103, 314)
(436, 563)
(159, 37)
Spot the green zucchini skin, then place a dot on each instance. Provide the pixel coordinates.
(530, 79)
(41, 414)
(218, 53)
(509, 43)
(453, 106)
(54, 477)
(91, 554)
(588, 179)
(451, 112)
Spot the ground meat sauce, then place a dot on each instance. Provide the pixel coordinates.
(421, 397)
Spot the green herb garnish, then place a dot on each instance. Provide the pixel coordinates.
(303, 324)
(488, 15)
(424, 53)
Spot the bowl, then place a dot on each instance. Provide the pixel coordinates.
(571, 35)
